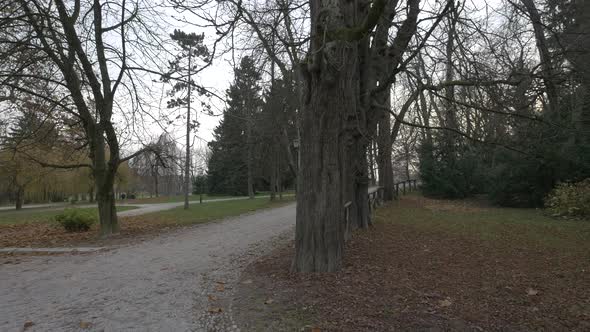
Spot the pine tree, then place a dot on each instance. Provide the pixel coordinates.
(231, 167)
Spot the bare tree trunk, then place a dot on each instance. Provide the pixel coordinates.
(385, 164)
(20, 197)
(545, 56)
(104, 177)
(273, 172)
(187, 160)
(450, 118)
(319, 236)
(279, 183)
(360, 184)
(331, 97)
(249, 155)
(156, 184)
(107, 212)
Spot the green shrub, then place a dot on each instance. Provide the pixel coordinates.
(76, 220)
(570, 200)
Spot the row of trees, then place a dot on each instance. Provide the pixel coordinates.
(340, 59)
(539, 123)
(487, 93)
(33, 139)
(83, 60)
(491, 97)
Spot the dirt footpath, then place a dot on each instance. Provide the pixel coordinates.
(174, 282)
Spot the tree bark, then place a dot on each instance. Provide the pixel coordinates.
(319, 236)
(104, 177)
(544, 55)
(107, 212)
(385, 163)
(273, 172)
(330, 98)
(156, 185)
(361, 186)
(249, 155)
(187, 160)
(20, 197)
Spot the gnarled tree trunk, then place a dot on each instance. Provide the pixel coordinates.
(331, 97)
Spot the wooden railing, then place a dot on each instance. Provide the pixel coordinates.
(375, 194)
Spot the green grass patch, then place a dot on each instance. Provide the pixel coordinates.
(528, 227)
(10, 217)
(199, 213)
(192, 198)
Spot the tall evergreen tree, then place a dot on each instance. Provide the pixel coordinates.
(231, 167)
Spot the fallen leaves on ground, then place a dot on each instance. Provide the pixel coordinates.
(390, 282)
(41, 234)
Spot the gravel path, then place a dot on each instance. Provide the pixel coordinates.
(157, 285)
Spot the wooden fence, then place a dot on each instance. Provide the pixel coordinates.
(376, 196)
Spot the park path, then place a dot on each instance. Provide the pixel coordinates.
(156, 285)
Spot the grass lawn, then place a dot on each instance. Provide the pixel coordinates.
(199, 213)
(41, 215)
(32, 229)
(526, 227)
(434, 265)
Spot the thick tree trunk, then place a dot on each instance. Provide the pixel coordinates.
(319, 236)
(20, 197)
(385, 164)
(104, 171)
(360, 187)
(321, 182)
(330, 102)
(107, 212)
(105, 195)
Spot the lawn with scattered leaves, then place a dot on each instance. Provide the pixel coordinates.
(35, 228)
(43, 215)
(436, 265)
